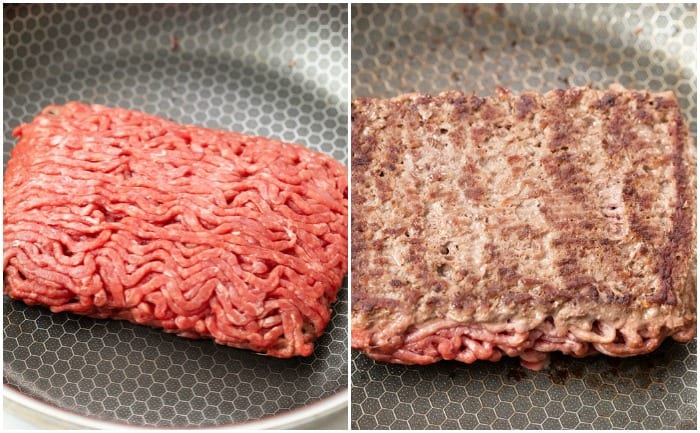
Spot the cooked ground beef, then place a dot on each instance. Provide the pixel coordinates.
(113, 213)
(521, 225)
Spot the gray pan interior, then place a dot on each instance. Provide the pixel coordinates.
(273, 70)
(429, 48)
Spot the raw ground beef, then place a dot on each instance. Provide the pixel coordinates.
(520, 225)
(113, 213)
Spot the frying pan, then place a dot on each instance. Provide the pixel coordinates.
(272, 70)
(430, 48)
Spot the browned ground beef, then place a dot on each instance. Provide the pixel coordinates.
(519, 225)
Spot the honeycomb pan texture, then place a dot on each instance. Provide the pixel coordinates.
(429, 48)
(272, 70)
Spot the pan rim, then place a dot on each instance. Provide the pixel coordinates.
(285, 420)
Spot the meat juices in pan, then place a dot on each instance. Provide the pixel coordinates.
(521, 225)
(113, 213)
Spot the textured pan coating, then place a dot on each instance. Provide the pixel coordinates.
(521, 225)
(115, 213)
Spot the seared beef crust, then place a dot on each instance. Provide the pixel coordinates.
(521, 224)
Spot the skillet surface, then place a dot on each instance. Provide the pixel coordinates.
(430, 48)
(272, 70)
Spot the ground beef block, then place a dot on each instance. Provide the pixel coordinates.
(522, 224)
(113, 213)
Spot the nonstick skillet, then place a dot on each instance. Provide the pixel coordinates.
(273, 70)
(397, 49)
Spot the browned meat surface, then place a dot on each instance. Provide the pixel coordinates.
(113, 213)
(519, 225)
